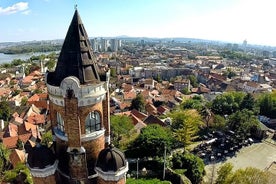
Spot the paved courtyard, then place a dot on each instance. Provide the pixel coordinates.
(258, 155)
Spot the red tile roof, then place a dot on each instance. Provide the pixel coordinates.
(17, 156)
(36, 119)
(138, 114)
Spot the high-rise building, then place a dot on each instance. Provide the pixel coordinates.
(80, 119)
(94, 43)
(115, 45)
(104, 45)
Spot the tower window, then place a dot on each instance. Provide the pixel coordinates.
(92, 122)
(60, 123)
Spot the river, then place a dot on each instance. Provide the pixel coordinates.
(7, 58)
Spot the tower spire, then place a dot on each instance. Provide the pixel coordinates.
(76, 57)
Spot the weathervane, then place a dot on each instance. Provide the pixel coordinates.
(76, 5)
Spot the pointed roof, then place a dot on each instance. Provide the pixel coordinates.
(76, 57)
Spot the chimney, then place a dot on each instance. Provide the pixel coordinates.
(2, 124)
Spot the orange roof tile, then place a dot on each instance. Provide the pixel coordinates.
(36, 119)
(17, 156)
(129, 95)
(35, 97)
(138, 114)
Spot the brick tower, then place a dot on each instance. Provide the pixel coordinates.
(79, 107)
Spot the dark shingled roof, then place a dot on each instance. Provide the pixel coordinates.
(111, 159)
(76, 57)
(40, 156)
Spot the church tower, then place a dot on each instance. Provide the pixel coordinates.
(79, 107)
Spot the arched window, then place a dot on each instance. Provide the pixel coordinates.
(92, 122)
(60, 123)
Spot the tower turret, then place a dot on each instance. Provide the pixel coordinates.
(79, 106)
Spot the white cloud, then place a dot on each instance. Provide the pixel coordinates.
(18, 7)
(27, 12)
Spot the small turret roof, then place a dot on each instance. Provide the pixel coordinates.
(111, 159)
(76, 57)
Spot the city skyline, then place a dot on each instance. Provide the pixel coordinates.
(229, 21)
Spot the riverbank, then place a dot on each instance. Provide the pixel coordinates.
(7, 58)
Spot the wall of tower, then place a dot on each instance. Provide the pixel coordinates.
(106, 117)
(45, 180)
(94, 147)
(101, 181)
(72, 123)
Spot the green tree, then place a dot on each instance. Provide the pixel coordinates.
(4, 159)
(193, 103)
(5, 110)
(145, 181)
(267, 104)
(37, 91)
(24, 101)
(219, 123)
(47, 138)
(138, 103)
(51, 64)
(20, 144)
(247, 175)
(20, 174)
(151, 142)
(185, 125)
(223, 172)
(243, 122)
(121, 125)
(193, 166)
(248, 102)
(227, 103)
(186, 91)
(17, 62)
(113, 72)
(193, 81)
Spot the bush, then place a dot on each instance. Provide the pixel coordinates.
(193, 165)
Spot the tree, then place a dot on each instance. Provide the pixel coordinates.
(151, 142)
(219, 123)
(193, 81)
(243, 122)
(267, 104)
(248, 102)
(193, 165)
(146, 181)
(5, 110)
(247, 175)
(186, 91)
(47, 138)
(20, 144)
(20, 174)
(227, 103)
(24, 101)
(113, 72)
(4, 159)
(193, 103)
(185, 125)
(223, 172)
(138, 103)
(121, 125)
(51, 64)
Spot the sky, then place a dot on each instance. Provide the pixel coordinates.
(221, 20)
